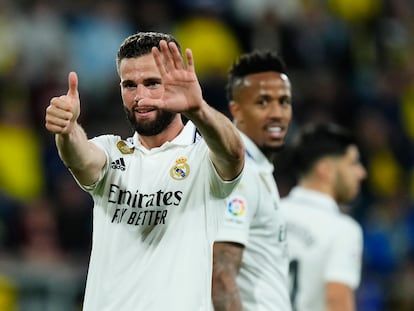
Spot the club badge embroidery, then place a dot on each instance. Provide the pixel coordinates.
(180, 170)
(124, 148)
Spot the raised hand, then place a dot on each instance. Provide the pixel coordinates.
(63, 111)
(182, 91)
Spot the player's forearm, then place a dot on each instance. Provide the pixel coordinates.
(340, 306)
(223, 140)
(83, 158)
(339, 297)
(74, 149)
(226, 295)
(226, 265)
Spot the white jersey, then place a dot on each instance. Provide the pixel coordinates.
(253, 219)
(325, 245)
(155, 218)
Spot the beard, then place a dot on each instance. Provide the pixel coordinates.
(344, 193)
(272, 151)
(150, 128)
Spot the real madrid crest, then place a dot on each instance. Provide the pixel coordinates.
(124, 148)
(180, 170)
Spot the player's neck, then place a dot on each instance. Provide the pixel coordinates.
(171, 132)
(317, 185)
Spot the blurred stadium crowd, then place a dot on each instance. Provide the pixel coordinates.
(349, 61)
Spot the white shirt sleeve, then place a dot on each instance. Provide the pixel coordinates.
(239, 211)
(345, 255)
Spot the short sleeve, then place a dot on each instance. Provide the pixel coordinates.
(240, 208)
(345, 255)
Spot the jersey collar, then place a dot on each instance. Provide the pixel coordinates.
(254, 153)
(315, 199)
(187, 136)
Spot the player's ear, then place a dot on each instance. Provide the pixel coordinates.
(325, 168)
(234, 108)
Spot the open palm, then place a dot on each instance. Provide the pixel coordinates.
(182, 91)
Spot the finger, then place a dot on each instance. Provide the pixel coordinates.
(177, 58)
(53, 128)
(56, 119)
(190, 60)
(73, 84)
(61, 103)
(151, 102)
(56, 122)
(56, 128)
(59, 109)
(158, 60)
(167, 56)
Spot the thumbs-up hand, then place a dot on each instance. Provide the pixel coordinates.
(63, 111)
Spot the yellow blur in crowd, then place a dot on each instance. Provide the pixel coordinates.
(354, 11)
(215, 50)
(21, 171)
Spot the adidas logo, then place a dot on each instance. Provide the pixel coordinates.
(118, 164)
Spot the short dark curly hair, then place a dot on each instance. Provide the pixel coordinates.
(141, 43)
(317, 140)
(250, 63)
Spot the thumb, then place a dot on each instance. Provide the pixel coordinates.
(73, 84)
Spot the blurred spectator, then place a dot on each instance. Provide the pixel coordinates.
(73, 217)
(43, 38)
(317, 39)
(10, 49)
(261, 23)
(21, 171)
(252, 11)
(407, 109)
(9, 221)
(402, 286)
(155, 15)
(41, 277)
(265, 33)
(386, 174)
(95, 33)
(40, 239)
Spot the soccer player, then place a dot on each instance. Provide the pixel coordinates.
(250, 270)
(156, 194)
(325, 245)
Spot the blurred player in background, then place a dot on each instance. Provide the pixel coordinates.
(325, 245)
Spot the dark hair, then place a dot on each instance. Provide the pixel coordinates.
(317, 140)
(250, 63)
(141, 43)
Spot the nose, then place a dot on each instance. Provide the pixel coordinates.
(363, 172)
(140, 93)
(275, 109)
